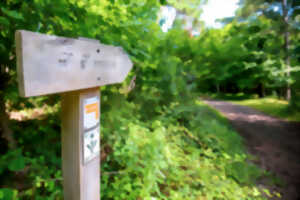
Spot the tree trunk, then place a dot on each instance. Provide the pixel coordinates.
(286, 45)
(261, 90)
(5, 131)
(218, 88)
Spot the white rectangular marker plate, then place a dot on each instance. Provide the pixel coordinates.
(91, 144)
(91, 135)
(91, 112)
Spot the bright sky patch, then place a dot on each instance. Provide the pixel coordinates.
(218, 9)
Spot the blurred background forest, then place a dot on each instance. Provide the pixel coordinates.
(158, 139)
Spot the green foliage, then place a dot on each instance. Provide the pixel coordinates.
(8, 194)
(13, 160)
(187, 151)
(242, 172)
(34, 168)
(240, 58)
(157, 141)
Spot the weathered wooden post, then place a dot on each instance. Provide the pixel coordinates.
(76, 68)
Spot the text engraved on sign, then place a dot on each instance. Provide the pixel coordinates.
(85, 58)
(65, 58)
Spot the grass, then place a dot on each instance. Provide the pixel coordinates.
(271, 106)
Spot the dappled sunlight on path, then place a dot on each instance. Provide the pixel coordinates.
(275, 143)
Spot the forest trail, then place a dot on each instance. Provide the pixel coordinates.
(275, 143)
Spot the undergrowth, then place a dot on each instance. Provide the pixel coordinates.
(187, 151)
(182, 150)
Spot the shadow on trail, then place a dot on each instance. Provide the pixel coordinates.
(275, 142)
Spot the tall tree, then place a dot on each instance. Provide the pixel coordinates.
(286, 44)
(282, 12)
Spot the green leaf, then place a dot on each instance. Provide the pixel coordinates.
(4, 21)
(17, 164)
(51, 185)
(17, 161)
(242, 172)
(163, 2)
(2, 48)
(12, 13)
(38, 184)
(8, 194)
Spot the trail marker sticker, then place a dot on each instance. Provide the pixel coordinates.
(91, 112)
(91, 144)
(91, 138)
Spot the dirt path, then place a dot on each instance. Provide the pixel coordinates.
(275, 142)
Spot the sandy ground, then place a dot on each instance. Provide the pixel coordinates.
(275, 142)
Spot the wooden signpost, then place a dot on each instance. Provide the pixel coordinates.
(76, 68)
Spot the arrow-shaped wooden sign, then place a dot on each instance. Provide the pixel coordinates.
(49, 64)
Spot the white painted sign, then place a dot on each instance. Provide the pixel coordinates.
(91, 112)
(91, 144)
(91, 119)
(50, 64)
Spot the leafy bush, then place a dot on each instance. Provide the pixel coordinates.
(186, 151)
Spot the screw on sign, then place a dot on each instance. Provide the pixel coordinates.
(75, 68)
